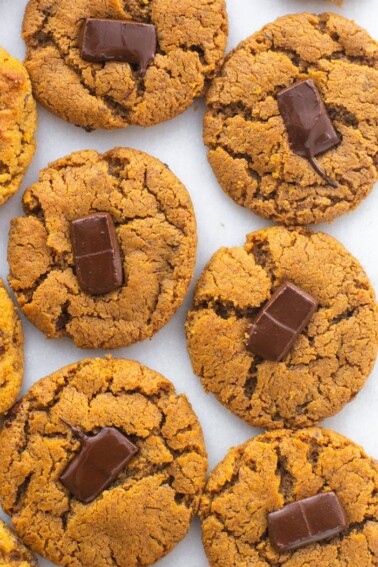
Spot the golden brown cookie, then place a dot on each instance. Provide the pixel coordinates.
(13, 552)
(248, 144)
(331, 359)
(192, 37)
(18, 122)
(156, 230)
(147, 510)
(279, 468)
(11, 351)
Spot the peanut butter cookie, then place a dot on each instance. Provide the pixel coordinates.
(155, 227)
(329, 361)
(147, 508)
(11, 351)
(18, 122)
(13, 553)
(249, 148)
(191, 39)
(279, 468)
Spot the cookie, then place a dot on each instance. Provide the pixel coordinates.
(13, 553)
(147, 510)
(329, 361)
(279, 468)
(11, 351)
(249, 148)
(18, 122)
(191, 39)
(156, 231)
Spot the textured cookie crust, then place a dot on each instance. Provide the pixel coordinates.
(329, 362)
(147, 510)
(11, 351)
(156, 230)
(13, 553)
(248, 144)
(279, 468)
(18, 122)
(192, 37)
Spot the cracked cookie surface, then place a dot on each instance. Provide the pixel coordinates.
(18, 122)
(331, 359)
(147, 510)
(13, 552)
(192, 37)
(156, 229)
(246, 136)
(11, 351)
(279, 468)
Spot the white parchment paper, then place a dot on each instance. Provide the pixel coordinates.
(220, 223)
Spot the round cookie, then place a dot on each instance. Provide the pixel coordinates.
(147, 510)
(156, 230)
(11, 351)
(18, 122)
(279, 468)
(330, 360)
(13, 552)
(248, 144)
(191, 38)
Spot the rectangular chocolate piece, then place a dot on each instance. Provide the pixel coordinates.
(307, 521)
(97, 253)
(98, 464)
(280, 322)
(308, 125)
(306, 119)
(117, 40)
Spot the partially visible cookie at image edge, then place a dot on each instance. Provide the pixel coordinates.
(156, 232)
(13, 553)
(147, 509)
(18, 122)
(191, 39)
(11, 351)
(279, 468)
(249, 149)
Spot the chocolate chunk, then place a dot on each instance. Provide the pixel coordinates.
(2, 349)
(308, 125)
(307, 521)
(97, 254)
(116, 40)
(280, 322)
(98, 464)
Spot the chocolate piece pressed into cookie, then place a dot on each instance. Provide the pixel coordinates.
(147, 509)
(97, 255)
(11, 351)
(278, 470)
(307, 521)
(114, 40)
(329, 361)
(156, 231)
(98, 464)
(280, 322)
(18, 122)
(249, 144)
(151, 87)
